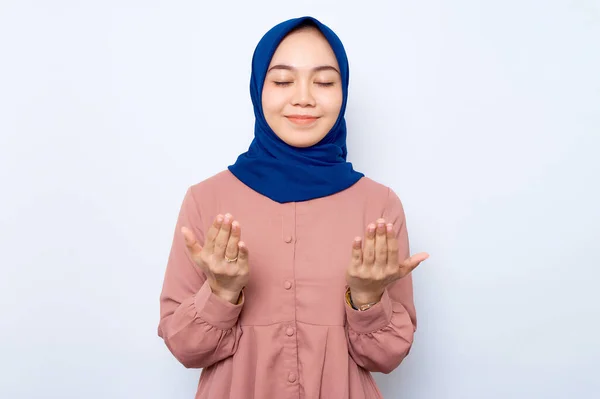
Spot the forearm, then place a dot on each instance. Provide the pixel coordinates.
(381, 337)
(203, 329)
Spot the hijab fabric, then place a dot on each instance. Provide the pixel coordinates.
(286, 173)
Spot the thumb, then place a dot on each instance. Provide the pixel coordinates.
(409, 264)
(242, 252)
(357, 258)
(191, 242)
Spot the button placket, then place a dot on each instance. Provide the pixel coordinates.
(289, 223)
(288, 240)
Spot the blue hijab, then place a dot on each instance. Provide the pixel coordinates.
(286, 173)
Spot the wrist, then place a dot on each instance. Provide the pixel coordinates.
(229, 296)
(363, 298)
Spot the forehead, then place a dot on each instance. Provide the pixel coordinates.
(304, 47)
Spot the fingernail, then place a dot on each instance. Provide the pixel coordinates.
(227, 218)
(371, 228)
(220, 219)
(389, 227)
(235, 225)
(380, 221)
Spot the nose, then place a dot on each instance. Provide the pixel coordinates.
(303, 95)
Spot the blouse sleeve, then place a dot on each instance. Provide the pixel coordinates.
(381, 337)
(198, 327)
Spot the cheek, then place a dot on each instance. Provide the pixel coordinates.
(272, 101)
(332, 103)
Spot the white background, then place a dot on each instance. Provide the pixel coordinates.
(483, 116)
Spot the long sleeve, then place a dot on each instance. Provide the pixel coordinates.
(198, 327)
(381, 337)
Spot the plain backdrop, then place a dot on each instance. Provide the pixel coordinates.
(484, 117)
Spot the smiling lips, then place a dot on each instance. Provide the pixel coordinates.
(302, 119)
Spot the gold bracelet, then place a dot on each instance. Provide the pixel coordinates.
(361, 308)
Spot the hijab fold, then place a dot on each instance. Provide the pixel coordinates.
(274, 168)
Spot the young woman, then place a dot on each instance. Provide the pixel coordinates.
(289, 272)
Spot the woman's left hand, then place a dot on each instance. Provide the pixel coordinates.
(376, 265)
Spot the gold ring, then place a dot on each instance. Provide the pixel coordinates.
(230, 260)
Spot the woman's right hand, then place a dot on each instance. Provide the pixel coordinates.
(222, 243)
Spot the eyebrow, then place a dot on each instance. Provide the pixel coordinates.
(315, 69)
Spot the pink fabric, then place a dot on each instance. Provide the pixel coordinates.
(292, 336)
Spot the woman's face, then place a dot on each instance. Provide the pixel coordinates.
(302, 93)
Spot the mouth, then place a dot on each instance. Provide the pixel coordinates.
(302, 120)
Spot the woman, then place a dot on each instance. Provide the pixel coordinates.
(304, 306)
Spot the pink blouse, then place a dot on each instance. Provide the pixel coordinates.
(293, 335)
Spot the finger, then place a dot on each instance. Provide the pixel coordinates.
(357, 254)
(380, 243)
(222, 237)
(392, 245)
(209, 244)
(234, 238)
(191, 242)
(410, 263)
(242, 254)
(369, 247)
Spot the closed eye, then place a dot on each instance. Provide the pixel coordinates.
(325, 84)
(282, 83)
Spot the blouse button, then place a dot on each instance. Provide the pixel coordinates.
(288, 239)
(287, 285)
(289, 331)
(291, 377)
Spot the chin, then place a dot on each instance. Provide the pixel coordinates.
(301, 139)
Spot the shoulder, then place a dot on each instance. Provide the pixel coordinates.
(384, 200)
(378, 193)
(206, 193)
(223, 192)
(212, 186)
